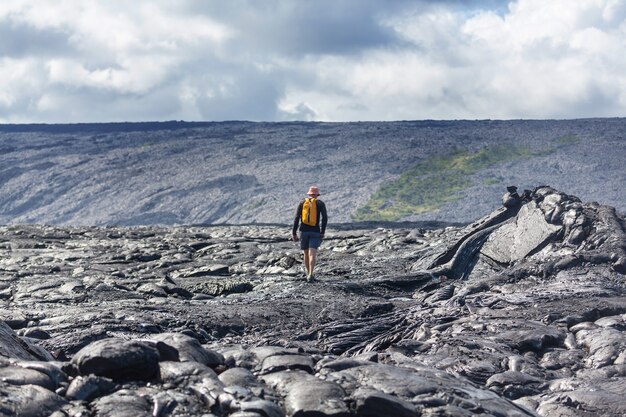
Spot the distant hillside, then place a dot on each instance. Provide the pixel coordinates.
(245, 172)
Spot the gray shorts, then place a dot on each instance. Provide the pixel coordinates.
(310, 240)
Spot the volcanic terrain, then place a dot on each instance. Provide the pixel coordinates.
(177, 173)
(519, 313)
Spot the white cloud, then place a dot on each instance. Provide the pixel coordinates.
(538, 60)
(21, 81)
(88, 60)
(137, 74)
(551, 59)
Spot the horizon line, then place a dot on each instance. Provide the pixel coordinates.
(200, 122)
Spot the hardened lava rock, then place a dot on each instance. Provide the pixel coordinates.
(520, 313)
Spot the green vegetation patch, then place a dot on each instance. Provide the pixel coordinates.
(434, 182)
(492, 181)
(567, 140)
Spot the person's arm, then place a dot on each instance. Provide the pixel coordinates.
(324, 219)
(296, 222)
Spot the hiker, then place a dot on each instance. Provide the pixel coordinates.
(310, 211)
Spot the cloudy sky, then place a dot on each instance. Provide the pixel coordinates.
(330, 60)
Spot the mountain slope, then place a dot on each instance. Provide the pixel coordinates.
(243, 172)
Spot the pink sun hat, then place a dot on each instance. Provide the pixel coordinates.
(313, 191)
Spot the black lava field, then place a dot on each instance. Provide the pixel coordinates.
(148, 270)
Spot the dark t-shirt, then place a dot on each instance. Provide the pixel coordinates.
(321, 214)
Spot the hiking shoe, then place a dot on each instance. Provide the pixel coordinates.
(310, 278)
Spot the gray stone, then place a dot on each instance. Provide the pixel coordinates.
(279, 363)
(341, 364)
(190, 349)
(532, 336)
(400, 382)
(238, 376)
(615, 322)
(123, 404)
(152, 289)
(206, 271)
(514, 241)
(16, 375)
(87, 388)
(12, 346)
(561, 358)
(449, 411)
(237, 355)
(371, 403)
(35, 333)
(314, 397)
(262, 407)
(28, 401)
(603, 345)
(185, 371)
(118, 359)
(620, 265)
(281, 382)
(52, 369)
(602, 399)
(263, 352)
(514, 384)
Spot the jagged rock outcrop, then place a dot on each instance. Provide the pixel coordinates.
(487, 292)
(520, 313)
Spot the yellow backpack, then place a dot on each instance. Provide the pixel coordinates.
(309, 211)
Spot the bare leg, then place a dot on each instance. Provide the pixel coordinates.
(312, 259)
(306, 261)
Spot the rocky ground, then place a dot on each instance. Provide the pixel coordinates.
(521, 313)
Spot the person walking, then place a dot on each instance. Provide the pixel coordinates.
(312, 218)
